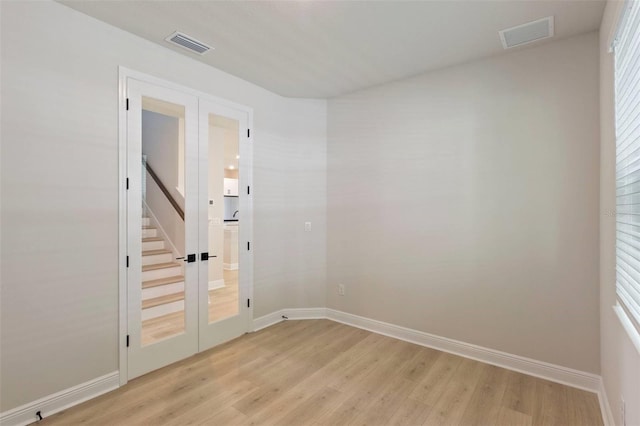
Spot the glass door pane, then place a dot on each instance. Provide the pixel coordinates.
(163, 225)
(225, 223)
(224, 217)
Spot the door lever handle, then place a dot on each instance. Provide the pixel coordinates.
(206, 256)
(190, 258)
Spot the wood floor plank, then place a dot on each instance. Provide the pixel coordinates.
(431, 387)
(321, 402)
(410, 412)
(450, 407)
(582, 407)
(418, 367)
(520, 393)
(318, 372)
(484, 406)
(382, 408)
(509, 417)
(551, 404)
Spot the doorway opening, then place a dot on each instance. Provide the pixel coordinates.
(186, 224)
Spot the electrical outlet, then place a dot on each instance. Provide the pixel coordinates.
(341, 289)
(623, 414)
(307, 226)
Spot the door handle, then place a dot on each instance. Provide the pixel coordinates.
(190, 258)
(205, 256)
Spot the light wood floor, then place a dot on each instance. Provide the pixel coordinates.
(224, 301)
(318, 372)
(224, 304)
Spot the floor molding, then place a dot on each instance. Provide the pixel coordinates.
(605, 408)
(544, 370)
(555, 373)
(51, 404)
(284, 314)
(59, 401)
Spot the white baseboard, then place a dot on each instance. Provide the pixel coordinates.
(59, 401)
(605, 408)
(52, 404)
(268, 320)
(214, 285)
(564, 375)
(544, 370)
(284, 314)
(230, 266)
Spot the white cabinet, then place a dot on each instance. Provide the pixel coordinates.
(230, 186)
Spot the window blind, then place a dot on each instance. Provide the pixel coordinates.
(627, 122)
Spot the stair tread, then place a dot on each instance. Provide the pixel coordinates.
(148, 227)
(159, 266)
(163, 281)
(154, 252)
(151, 239)
(162, 300)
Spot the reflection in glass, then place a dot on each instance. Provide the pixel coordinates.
(163, 231)
(224, 217)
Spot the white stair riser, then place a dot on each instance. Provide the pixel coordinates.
(152, 232)
(152, 245)
(167, 308)
(157, 258)
(162, 290)
(161, 273)
(146, 221)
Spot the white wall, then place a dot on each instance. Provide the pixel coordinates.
(620, 361)
(464, 203)
(59, 165)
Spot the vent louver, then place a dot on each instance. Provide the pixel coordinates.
(527, 33)
(189, 43)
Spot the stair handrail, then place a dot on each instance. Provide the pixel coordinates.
(165, 191)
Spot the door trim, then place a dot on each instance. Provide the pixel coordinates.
(123, 74)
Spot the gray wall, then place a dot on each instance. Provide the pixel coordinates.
(464, 203)
(620, 360)
(59, 161)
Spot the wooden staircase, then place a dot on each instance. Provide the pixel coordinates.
(162, 276)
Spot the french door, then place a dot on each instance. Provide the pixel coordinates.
(225, 221)
(187, 284)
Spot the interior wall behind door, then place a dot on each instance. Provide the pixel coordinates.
(160, 136)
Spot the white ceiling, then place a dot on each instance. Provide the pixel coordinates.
(322, 49)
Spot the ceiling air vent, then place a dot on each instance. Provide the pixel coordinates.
(527, 33)
(187, 42)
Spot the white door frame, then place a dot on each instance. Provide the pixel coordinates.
(123, 74)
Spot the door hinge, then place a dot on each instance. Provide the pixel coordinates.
(248, 133)
(127, 261)
(127, 183)
(248, 303)
(127, 104)
(248, 245)
(127, 340)
(248, 190)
